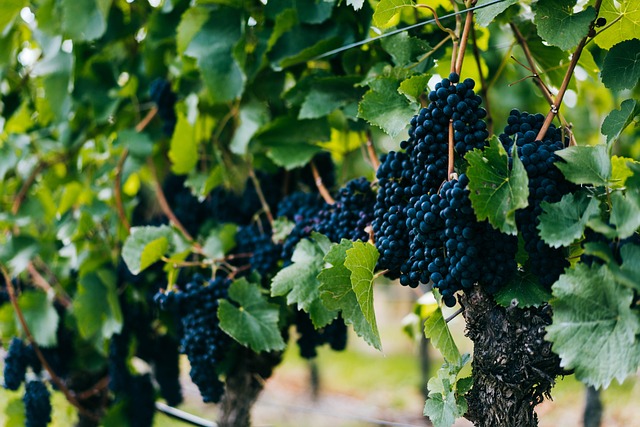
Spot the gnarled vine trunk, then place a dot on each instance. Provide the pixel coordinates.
(244, 383)
(513, 366)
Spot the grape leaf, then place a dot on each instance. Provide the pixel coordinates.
(254, 322)
(414, 86)
(629, 272)
(212, 47)
(588, 164)
(18, 251)
(446, 400)
(496, 191)
(220, 241)
(9, 11)
(559, 26)
(486, 15)
(386, 108)
(387, 9)
(361, 260)
(85, 20)
(618, 120)
(328, 94)
(41, 317)
(185, 141)
(191, 22)
(15, 413)
(96, 306)
(523, 290)
(404, 49)
(437, 330)
(144, 246)
(624, 213)
(299, 280)
(291, 156)
(624, 18)
(337, 293)
(563, 223)
(253, 115)
(139, 144)
(621, 66)
(594, 329)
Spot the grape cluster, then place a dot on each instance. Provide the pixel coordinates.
(302, 209)
(546, 183)
(166, 369)
(142, 403)
(37, 404)
(390, 211)
(351, 214)
(15, 364)
(203, 341)
(256, 239)
(164, 98)
(310, 338)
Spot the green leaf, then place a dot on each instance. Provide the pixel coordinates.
(486, 15)
(220, 241)
(329, 94)
(254, 322)
(624, 18)
(96, 306)
(85, 20)
(414, 87)
(18, 251)
(618, 120)
(523, 290)
(387, 9)
(437, 330)
(404, 49)
(559, 26)
(621, 66)
(594, 329)
(15, 412)
(361, 261)
(299, 280)
(144, 246)
(41, 317)
(446, 400)
(629, 272)
(386, 108)
(9, 11)
(588, 164)
(291, 156)
(496, 191)
(356, 4)
(624, 213)
(191, 22)
(282, 227)
(337, 293)
(184, 147)
(253, 115)
(139, 144)
(563, 223)
(213, 48)
(54, 75)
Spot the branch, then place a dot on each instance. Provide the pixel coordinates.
(147, 119)
(54, 378)
(42, 283)
(320, 185)
(263, 201)
(567, 77)
(483, 82)
(468, 23)
(164, 205)
(454, 315)
(536, 78)
(94, 389)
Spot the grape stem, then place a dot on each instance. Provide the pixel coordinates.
(451, 33)
(450, 163)
(371, 150)
(320, 185)
(263, 201)
(537, 80)
(70, 396)
(42, 283)
(164, 205)
(555, 106)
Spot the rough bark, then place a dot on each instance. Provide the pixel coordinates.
(513, 366)
(244, 383)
